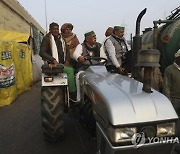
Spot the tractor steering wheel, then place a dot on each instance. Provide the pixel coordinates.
(96, 61)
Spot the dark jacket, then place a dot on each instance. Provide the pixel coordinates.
(46, 53)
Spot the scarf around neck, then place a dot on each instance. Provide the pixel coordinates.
(120, 40)
(95, 49)
(54, 48)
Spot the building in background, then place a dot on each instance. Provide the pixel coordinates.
(16, 19)
(20, 39)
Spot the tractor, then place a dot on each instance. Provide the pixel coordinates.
(127, 115)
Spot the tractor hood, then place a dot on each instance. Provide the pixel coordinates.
(120, 100)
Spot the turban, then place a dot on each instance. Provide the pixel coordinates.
(66, 25)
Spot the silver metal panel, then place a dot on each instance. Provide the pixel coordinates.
(58, 80)
(120, 99)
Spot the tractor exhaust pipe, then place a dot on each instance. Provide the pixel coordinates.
(139, 20)
(137, 42)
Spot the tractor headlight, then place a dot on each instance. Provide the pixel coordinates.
(118, 135)
(48, 79)
(167, 129)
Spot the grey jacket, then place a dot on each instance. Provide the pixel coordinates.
(115, 48)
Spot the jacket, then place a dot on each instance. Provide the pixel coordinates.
(46, 52)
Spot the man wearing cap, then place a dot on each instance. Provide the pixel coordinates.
(89, 48)
(171, 85)
(115, 48)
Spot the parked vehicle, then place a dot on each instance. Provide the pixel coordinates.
(165, 38)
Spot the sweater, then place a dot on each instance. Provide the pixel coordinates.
(172, 82)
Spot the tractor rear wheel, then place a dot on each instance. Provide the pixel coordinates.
(52, 112)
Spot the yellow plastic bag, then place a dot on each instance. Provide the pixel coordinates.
(8, 91)
(23, 64)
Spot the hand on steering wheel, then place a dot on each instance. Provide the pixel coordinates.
(96, 60)
(81, 59)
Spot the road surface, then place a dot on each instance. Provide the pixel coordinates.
(21, 131)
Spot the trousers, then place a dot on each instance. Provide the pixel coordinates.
(71, 78)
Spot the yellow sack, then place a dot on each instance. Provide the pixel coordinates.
(8, 92)
(28, 71)
(22, 59)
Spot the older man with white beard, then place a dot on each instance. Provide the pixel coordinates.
(89, 48)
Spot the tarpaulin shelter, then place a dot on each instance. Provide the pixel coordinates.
(15, 66)
(13, 36)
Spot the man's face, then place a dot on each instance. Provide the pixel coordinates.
(67, 31)
(91, 39)
(55, 31)
(119, 33)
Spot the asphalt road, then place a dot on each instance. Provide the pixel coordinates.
(21, 131)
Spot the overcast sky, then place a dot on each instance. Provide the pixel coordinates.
(97, 15)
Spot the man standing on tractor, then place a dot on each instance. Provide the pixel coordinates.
(115, 48)
(54, 50)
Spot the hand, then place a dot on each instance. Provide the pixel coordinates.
(55, 62)
(66, 63)
(81, 59)
(120, 70)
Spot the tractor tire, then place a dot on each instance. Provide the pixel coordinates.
(87, 119)
(52, 112)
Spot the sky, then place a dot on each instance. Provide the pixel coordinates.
(98, 15)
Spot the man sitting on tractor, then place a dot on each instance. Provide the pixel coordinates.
(54, 50)
(89, 48)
